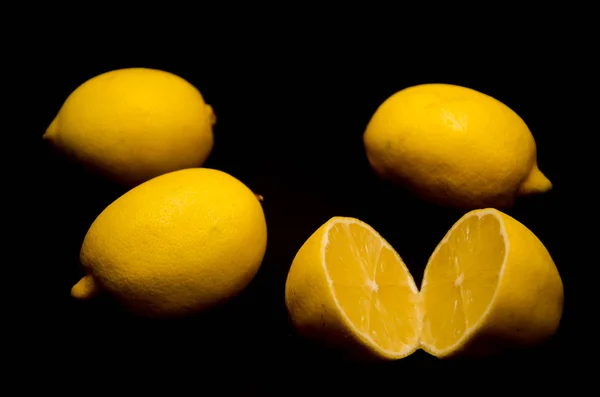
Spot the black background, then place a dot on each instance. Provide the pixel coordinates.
(289, 125)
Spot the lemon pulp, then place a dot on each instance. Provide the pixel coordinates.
(461, 279)
(372, 286)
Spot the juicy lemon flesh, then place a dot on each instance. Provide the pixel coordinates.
(372, 287)
(461, 280)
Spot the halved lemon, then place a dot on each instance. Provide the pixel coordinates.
(347, 287)
(489, 285)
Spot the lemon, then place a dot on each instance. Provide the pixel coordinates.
(348, 288)
(454, 146)
(175, 245)
(490, 284)
(134, 124)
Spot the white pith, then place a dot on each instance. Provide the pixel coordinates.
(367, 339)
(469, 331)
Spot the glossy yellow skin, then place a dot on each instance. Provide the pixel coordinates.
(489, 285)
(134, 124)
(176, 245)
(348, 289)
(454, 146)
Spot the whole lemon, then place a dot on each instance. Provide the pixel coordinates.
(454, 146)
(134, 124)
(178, 244)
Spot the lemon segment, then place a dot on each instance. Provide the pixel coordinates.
(490, 284)
(347, 286)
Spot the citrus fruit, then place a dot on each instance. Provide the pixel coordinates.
(454, 146)
(134, 124)
(348, 288)
(489, 285)
(177, 244)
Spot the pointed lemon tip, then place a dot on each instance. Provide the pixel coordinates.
(51, 130)
(535, 183)
(86, 288)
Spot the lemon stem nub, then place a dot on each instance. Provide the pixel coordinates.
(86, 288)
(535, 183)
(212, 117)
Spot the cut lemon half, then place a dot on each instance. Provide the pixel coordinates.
(489, 285)
(347, 287)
